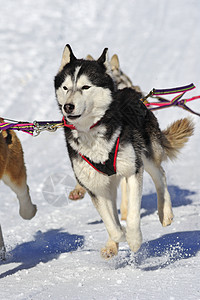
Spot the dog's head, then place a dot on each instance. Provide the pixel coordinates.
(83, 88)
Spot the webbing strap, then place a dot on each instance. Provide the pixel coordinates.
(180, 89)
(38, 126)
(162, 103)
(25, 127)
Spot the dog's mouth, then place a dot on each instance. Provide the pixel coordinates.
(74, 117)
(70, 117)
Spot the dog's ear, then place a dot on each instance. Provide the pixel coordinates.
(114, 62)
(103, 59)
(89, 57)
(67, 57)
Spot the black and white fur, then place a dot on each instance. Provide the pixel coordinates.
(86, 95)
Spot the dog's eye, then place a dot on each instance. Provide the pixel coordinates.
(85, 87)
(65, 88)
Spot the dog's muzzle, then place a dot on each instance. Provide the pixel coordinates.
(69, 108)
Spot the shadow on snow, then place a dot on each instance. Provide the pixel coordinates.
(162, 252)
(44, 248)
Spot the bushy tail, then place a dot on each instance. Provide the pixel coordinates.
(176, 135)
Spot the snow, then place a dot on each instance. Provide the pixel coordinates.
(56, 255)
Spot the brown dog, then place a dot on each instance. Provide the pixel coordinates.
(13, 172)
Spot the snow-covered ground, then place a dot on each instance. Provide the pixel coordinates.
(56, 255)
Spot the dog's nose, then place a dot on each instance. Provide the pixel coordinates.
(69, 108)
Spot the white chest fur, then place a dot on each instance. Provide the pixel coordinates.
(93, 144)
(97, 148)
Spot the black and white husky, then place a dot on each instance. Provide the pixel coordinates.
(111, 134)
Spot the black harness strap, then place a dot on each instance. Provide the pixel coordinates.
(109, 166)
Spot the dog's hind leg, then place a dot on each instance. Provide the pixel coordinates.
(163, 198)
(133, 231)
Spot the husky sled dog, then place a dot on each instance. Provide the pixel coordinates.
(13, 174)
(121, 81)
(111, 134)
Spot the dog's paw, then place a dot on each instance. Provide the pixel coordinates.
(166, 217)
(167, 220)
(134, 240)
(77, 193)
(110, 250)
(27, 212)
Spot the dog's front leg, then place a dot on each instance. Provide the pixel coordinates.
(124, 201)
(116, 234)
(114, 230)
(27, 209)
(133, 231)
(111, 247)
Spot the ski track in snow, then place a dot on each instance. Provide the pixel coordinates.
(56, 255)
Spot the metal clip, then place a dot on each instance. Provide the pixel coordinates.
(51, 127)
(144, 99)
(39, 128)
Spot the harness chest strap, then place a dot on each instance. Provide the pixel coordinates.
(71, 126)
(109, 166)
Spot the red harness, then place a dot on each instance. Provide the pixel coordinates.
(109, 166)
(71, 126)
